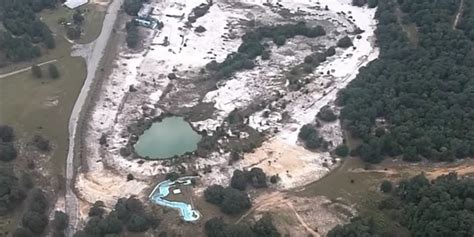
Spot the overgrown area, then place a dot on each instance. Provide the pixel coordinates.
(252, 46)
(443, 207)
(24, 32)
(414, 101)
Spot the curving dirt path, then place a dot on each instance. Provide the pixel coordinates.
(92, 53)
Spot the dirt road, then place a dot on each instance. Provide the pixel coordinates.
(25, 69)
(92, 53)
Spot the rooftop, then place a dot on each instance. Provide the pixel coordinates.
(75, 3)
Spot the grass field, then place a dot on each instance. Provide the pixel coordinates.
(43, 106)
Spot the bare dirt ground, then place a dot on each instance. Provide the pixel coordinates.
(298, 216)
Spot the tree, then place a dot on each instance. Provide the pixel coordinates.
(61, 221)
(111, 224)
(235, 201)
(386, 186)
(342, 150)
(77, 17)
(6, 133)
(257, 178)
(7, 152)
(11, 195)
(331, 51)
(265, 228)
(133, 35)
(22, 232)
(357, 227)
(36, 71)
(214, 194)
(35, 221)
(138, 223)
(326, 114)
(344, 42)
(239, 230)
(132, 7)
(279, 40)
(215, 227)
(173, 176)
(53, 71)
(97, 209)
(238, 180)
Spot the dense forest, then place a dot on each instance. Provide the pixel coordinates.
(442, 207)
(417, 99)
(24, 31)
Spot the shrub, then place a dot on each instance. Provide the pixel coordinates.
(53, 71)
(234, 201)
(36, 71)
(6, 133)
(386, 186)
(326, 114)
(266, 55)
(279, 40)
(344, 42)
(214, 194)
(308, 59)
(200, 29)
(331, 51)
(238, 180)
(342, 150)
(7, 152)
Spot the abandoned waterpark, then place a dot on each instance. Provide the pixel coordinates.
(204, 117)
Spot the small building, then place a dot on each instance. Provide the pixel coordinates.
(72, 4)
(176, 191)
(145, 11)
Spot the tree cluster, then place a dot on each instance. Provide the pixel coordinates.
(423, 92)
(35, 219)
(133, 35)
(230, 200)
(264, 227)
(24, 29)
(127, 214)
(442, 207)
(132, 7)
(311, 138)
(7, 148)
(255, 177)
(11, 195)
(252, 46)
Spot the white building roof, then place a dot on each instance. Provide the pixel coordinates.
(75, 3)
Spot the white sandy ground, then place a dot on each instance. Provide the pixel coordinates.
(147, 71)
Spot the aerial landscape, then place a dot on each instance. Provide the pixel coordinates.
(229, 118)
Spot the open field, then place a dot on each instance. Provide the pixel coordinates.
(42, 106)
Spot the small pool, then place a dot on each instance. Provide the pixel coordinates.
(167, 138)
(162, 190)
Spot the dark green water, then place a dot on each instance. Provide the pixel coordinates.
(165, 139)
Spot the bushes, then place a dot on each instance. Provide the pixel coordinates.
(7, 151)
(36, 71)
(132, 7)
(326, 114)
(386, 186)
(214, 194)
(53, 71)
(264, 227)
(342, 150)
(231, 201)
(11, 195)
(6, 133)
(344, 42)
(238, 180)
(252, 47)
(127, 212)
(133, 35)
(35, 219)
(310, 137)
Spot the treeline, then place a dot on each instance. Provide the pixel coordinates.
(264, 227)
(420, 95)
(252, 46)
(466, 22)
(24, 30)
(128, 215)
(443, 207)
(233, 200)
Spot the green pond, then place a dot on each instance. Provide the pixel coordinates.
(172, 136)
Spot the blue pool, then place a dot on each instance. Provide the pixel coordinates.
(163, 189)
